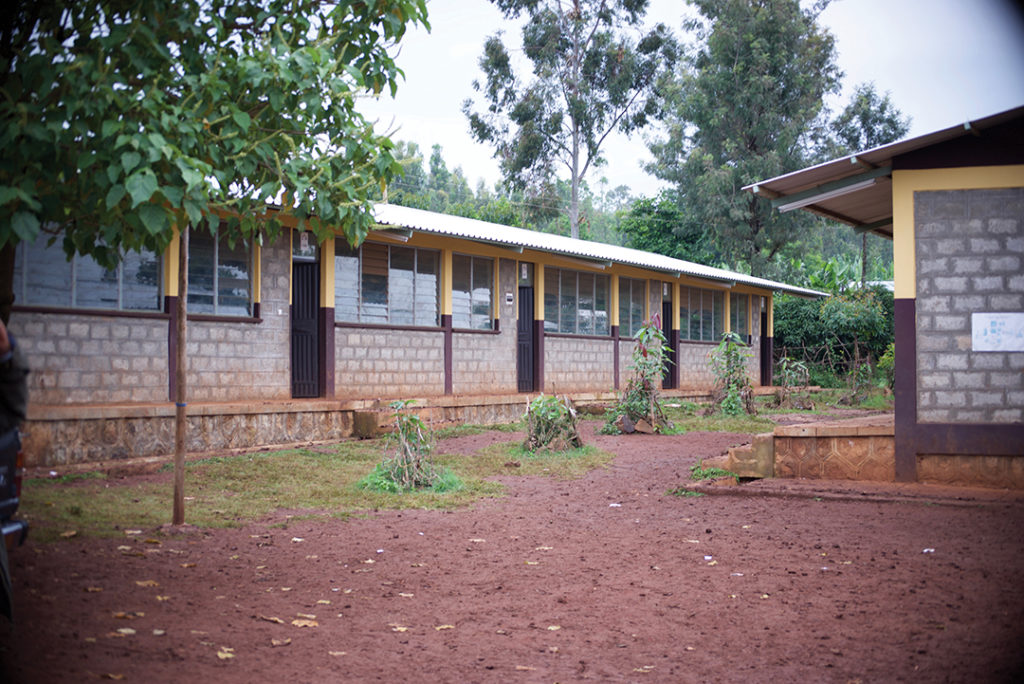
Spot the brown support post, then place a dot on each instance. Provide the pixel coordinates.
(615, 352)
(180, 415)
(446, 324)
(905, 389)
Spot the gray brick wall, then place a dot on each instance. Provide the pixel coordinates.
(388, 363)
(970, 257)
(231, 361)
(105, 359)
(578, 364)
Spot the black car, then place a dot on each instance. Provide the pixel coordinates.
(14, 531)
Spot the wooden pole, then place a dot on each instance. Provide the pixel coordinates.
(180, 416)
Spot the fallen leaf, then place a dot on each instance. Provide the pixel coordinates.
(478, 541)
(126, 631)
(554, 628)
(188, 565)
(713, 563)
(132, 532)
(280, 642)
(692, 541)
(395, 627)
(275, 620)
(403, 594)
(69, 534)
(110, 675)
(524, 668)
(369, 561)
(746, 527)
(324, 602)
(159, 632)
(296, 540)
(417, 565)
(643, 668)
(153, 541)
(312, 557)
(286, 588)
(552, 649)
(93, 590)
(764, 596)
(124, 547)
(147, 583)
(305, 623)
(306, 615)
(532, 563)
(543, 548)
(163, 598)
(441, 627)
(336, 653)
(225, 655)
(120, 615)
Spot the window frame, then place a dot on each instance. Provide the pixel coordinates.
(556, 301)
(73, 270)
(477, 320)
(219, 308)
(631, 327)
(362, 316)
(735, 320)
(702, 314)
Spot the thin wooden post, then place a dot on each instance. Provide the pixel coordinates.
(180, 415)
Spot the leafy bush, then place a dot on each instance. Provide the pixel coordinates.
(641, 399)
(887, 365)
(728, 363)
(551, 424)
(410, 467)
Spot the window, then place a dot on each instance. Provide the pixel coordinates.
(575, 302)
(384, 284)
(738, 305)
(44, 277)
(219, 275)
(701, 314)
(472, 290)
(632, 293)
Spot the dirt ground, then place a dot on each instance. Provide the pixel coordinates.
(606, 578)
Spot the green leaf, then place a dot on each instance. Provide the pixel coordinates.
(114, 195)
(154, 218)
(110, 127)
(194, 210)
(141, 186)
(243, 120)
(129, 160)
(7, 194)
(25, 225)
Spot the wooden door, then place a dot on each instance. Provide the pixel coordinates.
(669, 376)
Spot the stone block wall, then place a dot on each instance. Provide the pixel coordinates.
(388, 363)
(579, 364)
(695, 364)
(231, 361)
(78, 358)
(970, 258)
(485, 363)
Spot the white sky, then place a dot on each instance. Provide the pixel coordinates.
(943, 62)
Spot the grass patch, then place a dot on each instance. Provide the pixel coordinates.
(684, 493)
(464, 430)
(684, 421)
(230, 491)
(699, 472)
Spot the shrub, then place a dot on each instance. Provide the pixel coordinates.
(551, 424)
(728, 363)
(641, 399)
(410, 466)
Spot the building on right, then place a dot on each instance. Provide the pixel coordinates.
(952, 202)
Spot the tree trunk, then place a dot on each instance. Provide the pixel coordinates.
(180, 416)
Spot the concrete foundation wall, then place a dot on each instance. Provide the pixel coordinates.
(969, 252)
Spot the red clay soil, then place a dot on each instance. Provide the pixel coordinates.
(606, 578)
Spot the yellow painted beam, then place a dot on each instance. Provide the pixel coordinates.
(538, 292)
(327, 274)
(677, 321)
(171, 265)
(446, 282)
(614, 299)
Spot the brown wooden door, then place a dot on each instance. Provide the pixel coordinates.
(305, 329)
(669, 376)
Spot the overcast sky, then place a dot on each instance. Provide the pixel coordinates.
(943, 62)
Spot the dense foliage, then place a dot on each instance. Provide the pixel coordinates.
(120, 120)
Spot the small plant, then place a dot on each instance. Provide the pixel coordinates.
(887, 365)
(728, 362)
(699, 472)
(684, 492)
(792, 374)
(551, 425)
(641, 400)
(410, 467)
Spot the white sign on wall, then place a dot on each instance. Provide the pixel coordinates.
(997, 332)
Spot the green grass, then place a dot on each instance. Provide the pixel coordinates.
(699, 472)
(684, 492)
(230, 491)
(684, 421)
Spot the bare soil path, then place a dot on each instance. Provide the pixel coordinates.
(606, 578)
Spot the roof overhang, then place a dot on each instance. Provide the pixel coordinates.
(857, 189)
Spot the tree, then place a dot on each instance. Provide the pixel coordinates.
(124, 122)
(121, 120)
(659, 225)
(747, 106)
(593, 73)
(867, 122)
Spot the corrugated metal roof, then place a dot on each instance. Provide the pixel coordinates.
(508, 236)
(872, 205)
